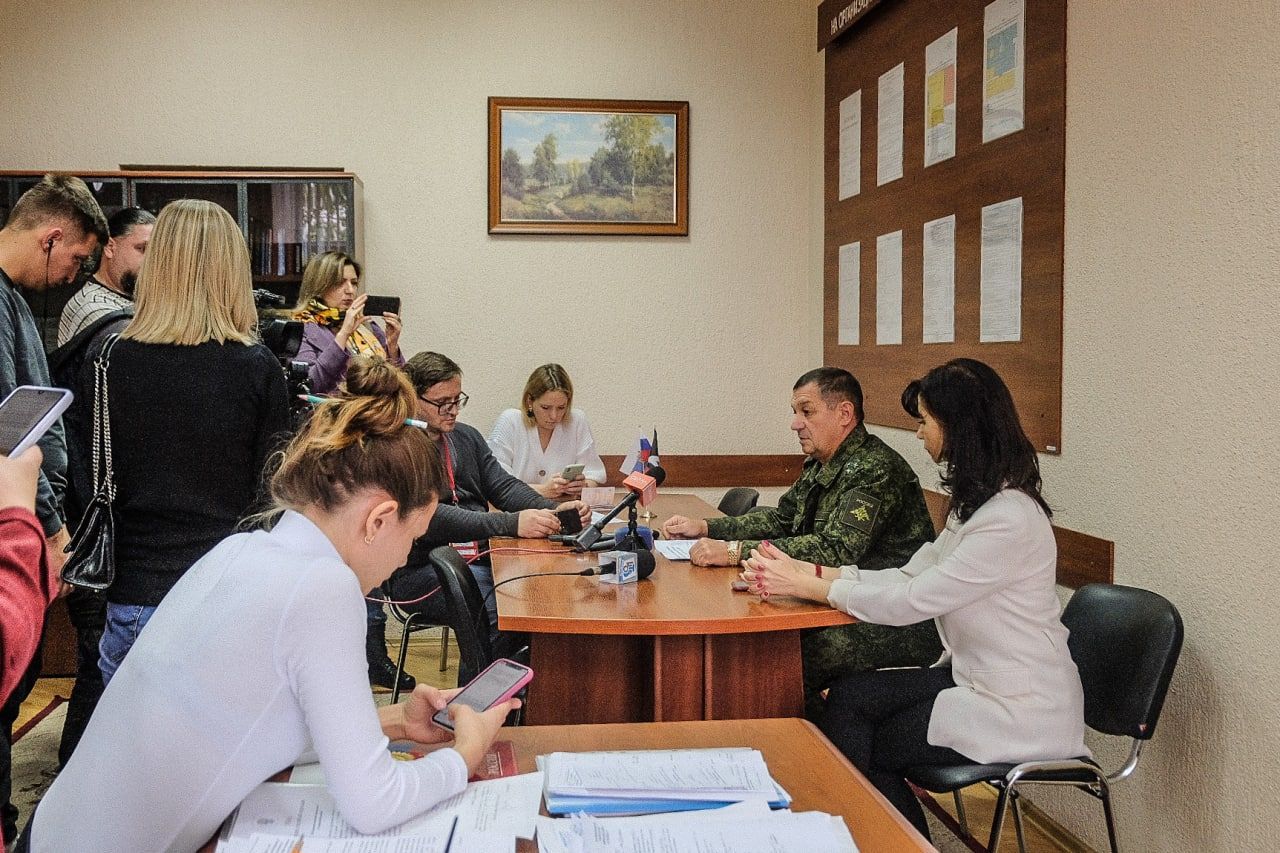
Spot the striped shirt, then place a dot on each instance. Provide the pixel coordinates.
(93, 301)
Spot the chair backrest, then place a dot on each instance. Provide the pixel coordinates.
(738, 501)
(1125, 642)
(465, 607)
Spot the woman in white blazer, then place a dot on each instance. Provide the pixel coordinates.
(536, 442)
(1006, 689)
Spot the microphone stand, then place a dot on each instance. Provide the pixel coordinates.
(632, 541)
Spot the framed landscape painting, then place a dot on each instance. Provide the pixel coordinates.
(575, 166)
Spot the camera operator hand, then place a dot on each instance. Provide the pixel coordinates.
(354, 317)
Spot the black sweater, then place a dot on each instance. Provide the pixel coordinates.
(191, 428)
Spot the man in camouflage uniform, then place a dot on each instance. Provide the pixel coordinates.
(857, 501)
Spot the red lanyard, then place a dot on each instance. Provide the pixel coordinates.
(448, 467)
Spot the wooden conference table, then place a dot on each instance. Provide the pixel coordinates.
(679, 646)
(812, 771)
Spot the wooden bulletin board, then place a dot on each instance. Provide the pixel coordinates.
(866, 39)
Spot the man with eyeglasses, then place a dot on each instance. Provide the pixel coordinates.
(53, 230)
(474, 481)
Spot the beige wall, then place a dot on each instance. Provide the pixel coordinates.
(1171, 302)
(1171, 349)
(706, 327)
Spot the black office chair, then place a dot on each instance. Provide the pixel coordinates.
(411, 621)
(464, 606)
(467, 617)
(738, 501)
(1125, 642)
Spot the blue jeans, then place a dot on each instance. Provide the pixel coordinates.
(124, 623)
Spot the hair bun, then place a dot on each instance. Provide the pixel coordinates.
(378, 397)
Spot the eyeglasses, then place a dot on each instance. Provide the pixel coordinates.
(448, 407)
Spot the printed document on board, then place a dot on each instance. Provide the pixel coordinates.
(889, 126)
(889, 288)
(1003, 69)
(940, 99)
(850, 146)
(940, 280)
(1001, 313)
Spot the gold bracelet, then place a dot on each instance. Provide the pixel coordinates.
(735, 552)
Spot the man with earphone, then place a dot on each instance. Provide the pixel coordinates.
(53, 229)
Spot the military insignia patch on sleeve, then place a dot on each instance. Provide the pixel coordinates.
(859, 511)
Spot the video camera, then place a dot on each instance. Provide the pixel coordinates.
(284, 339)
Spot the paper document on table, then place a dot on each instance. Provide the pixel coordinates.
(775, 833)
(693, 774)
(437, 841)
(506, 806)
(673, 549)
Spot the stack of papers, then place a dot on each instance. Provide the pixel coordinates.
(291, 817)
(747, 827)
(664, 780)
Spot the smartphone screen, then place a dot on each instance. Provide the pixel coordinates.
(376, 306)
(499, 682)
(27, 413)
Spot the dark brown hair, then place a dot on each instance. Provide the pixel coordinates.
(983, 445)
(359, 440)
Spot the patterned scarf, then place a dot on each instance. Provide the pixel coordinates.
(361, 342)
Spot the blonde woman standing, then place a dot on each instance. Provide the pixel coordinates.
(197, 404)
(332, 306)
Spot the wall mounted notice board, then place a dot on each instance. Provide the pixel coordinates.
(947, 73)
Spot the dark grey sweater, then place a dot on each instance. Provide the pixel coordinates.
(22, 362)
(480, 480)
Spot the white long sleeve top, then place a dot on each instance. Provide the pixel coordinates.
(517, 448)
(989, 584)
(254, 657)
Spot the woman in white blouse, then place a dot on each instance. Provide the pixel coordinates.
(1006, 689)
(546, 435)
(256, 656)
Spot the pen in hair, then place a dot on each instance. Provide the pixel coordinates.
(315, 401)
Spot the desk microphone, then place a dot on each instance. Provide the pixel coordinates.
(641, 487)
(644, 566)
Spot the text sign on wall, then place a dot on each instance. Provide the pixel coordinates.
(837, 16)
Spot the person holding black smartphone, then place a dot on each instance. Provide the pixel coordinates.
(337, 327)
(333, 308)
(547, 442)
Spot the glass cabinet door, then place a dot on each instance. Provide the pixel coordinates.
(154, 193)
(291, 221)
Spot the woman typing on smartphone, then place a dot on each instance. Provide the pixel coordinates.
(256, 655)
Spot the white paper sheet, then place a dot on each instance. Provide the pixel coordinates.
(850, 294)
(939, 303)
(1002, 272)
(889, 288)
(673, 549)
(436, 841)
(1003, 68)
(889, 126)
(504, 806)
(850, 146)
(940, 99)
(783, 832)
(673, 773)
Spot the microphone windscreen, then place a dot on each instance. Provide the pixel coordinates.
(657, 473)
(645, 564)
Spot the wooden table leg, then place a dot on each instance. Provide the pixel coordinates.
(678, 687)
(587, 678)
(749, 676)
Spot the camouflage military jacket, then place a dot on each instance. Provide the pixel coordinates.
(864, 506)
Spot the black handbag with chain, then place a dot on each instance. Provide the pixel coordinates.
(92, 564)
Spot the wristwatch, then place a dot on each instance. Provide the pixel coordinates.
(735, 552)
